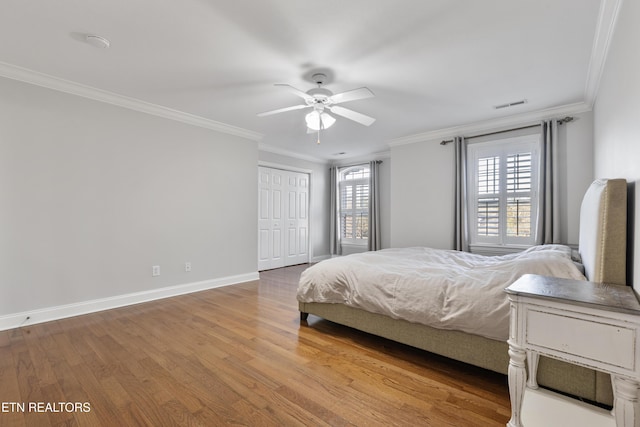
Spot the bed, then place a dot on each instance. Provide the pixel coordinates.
(383, 302)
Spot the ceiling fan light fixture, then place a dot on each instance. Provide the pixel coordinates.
(317, 121)
(320, 100)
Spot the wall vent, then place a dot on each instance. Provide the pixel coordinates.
(510, 104)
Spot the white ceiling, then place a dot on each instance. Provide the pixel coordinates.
(432, 64)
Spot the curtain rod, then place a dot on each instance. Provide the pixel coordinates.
(356, 164)
(560, 121)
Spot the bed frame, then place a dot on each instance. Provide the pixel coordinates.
(602, 247)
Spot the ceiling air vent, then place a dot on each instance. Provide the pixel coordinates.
(510, 104)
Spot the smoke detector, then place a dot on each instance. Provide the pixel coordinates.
(97, 41)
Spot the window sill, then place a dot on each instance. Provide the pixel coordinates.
(354, 243)
(496, 250)
(352, 248)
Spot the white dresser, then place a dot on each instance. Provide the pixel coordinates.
(590, 324)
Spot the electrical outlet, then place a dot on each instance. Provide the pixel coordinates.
(187, 267)
(155, 270)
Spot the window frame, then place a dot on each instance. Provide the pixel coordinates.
(342, 183)
(503, 148)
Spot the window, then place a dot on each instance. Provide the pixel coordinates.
(503, 189)
(354, 204)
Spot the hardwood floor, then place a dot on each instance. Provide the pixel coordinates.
(234, 355)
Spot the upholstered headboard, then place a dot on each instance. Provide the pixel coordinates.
(603, 231)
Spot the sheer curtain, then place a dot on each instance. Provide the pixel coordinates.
(461, 233)
(374, 206)
(334, 206)
(549, 197)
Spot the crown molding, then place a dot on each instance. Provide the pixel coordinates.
(386, 154)
(378, 155)
(39, 79)
(607, 19)
(284, 152)
(493, 125)
(283, 166)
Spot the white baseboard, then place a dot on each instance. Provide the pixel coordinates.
(25, 318)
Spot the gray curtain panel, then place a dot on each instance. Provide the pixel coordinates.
(461, 231)
(549, 195)
(374, 206)
(334, 206)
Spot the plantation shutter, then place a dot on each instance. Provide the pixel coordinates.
(503, 190)
(519, 195)
(354, 204)
(488, 210)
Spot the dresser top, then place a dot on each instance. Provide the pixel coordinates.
(610, 297)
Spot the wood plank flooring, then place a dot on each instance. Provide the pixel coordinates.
(233, 356)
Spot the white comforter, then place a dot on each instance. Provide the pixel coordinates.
(439, 288)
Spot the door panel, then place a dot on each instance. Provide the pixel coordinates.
(302, 205)
(291, 250)
(303, 242)
(277, 245)
(277, 204)
(264, 204)
(263, 244)
(292, 205)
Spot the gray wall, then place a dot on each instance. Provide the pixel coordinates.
(422, 176)
(422, 187)
(385, 202)
(93, 195)
(617, 119)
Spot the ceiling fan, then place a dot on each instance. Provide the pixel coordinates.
(323, 100)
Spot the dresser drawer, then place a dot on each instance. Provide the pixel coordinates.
(593, 341)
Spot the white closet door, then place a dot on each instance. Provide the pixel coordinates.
(297, 219)
(283, 218)
(270, 212)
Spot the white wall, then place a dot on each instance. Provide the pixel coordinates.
(422, 187)
(617, 119)
(93, 195)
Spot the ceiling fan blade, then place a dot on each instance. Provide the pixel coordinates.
(352, 115)
(295, 91)
(282, 110)
(352, 95)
